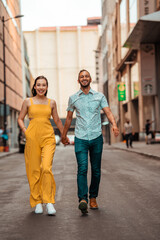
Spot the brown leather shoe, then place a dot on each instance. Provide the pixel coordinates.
(83, 206)
(93, 203)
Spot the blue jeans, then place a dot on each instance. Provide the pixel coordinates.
(94, 147)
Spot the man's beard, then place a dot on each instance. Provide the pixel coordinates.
(85, 86)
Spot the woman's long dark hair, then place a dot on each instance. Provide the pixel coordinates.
(34, 93)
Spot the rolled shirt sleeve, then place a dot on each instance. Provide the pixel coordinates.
(70, 105)
(104, 102)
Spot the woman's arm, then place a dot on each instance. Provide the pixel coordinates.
(56, 117)
(23, 113)
(67, 126)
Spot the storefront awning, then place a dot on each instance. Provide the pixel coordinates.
(147, 30)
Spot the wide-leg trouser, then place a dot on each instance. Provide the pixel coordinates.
(94, 148)
(39, 154)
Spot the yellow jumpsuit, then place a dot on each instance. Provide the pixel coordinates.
(39, 152)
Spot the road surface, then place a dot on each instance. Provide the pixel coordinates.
(129, 200)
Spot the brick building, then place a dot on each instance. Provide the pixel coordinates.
(13, 67)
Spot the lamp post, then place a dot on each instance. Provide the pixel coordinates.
(4, 77)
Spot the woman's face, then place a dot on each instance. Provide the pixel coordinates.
(41, 87)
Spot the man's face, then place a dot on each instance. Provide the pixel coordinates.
(84, 79)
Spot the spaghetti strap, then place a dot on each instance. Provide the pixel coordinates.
(31, 100)
(49, 101)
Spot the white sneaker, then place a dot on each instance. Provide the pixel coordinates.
(50, 209)
(39, 208)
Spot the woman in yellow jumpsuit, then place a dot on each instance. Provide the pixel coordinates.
(40, 145)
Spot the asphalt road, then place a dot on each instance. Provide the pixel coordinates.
(129, 200)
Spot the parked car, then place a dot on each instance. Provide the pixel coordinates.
(71, 139)
(58, 139)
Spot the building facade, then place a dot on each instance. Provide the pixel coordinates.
(109, 77)
(59, 53)
(27, 75)
(133, 62)
(13, 68)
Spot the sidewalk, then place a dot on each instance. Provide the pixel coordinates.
(12, 151)
(149, 150)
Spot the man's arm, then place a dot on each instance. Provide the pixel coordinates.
(111, 119)
(66, 127)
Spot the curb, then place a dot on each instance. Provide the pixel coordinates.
(7, 154)
(140, 153)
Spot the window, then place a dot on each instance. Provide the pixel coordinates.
(123, 22)
(132, 13)
(134, 81)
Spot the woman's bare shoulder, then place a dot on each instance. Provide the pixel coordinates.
(27, 102)
(53, 102)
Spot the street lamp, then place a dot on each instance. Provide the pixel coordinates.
(4, 77)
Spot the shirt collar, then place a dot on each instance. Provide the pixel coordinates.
(90, 91)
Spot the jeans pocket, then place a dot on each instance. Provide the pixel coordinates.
(79, 145)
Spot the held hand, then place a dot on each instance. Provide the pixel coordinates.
(65, 140)
(115, 131)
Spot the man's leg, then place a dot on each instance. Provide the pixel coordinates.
(131, 139)
(126, 137)
(152, 133)
(81, 151)
(96, 147)
(146, 138)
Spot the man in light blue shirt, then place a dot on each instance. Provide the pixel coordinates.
(88, 137)
(88, 117)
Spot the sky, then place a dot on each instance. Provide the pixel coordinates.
(43, 13)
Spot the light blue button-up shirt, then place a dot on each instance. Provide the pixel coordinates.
(87, 107)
